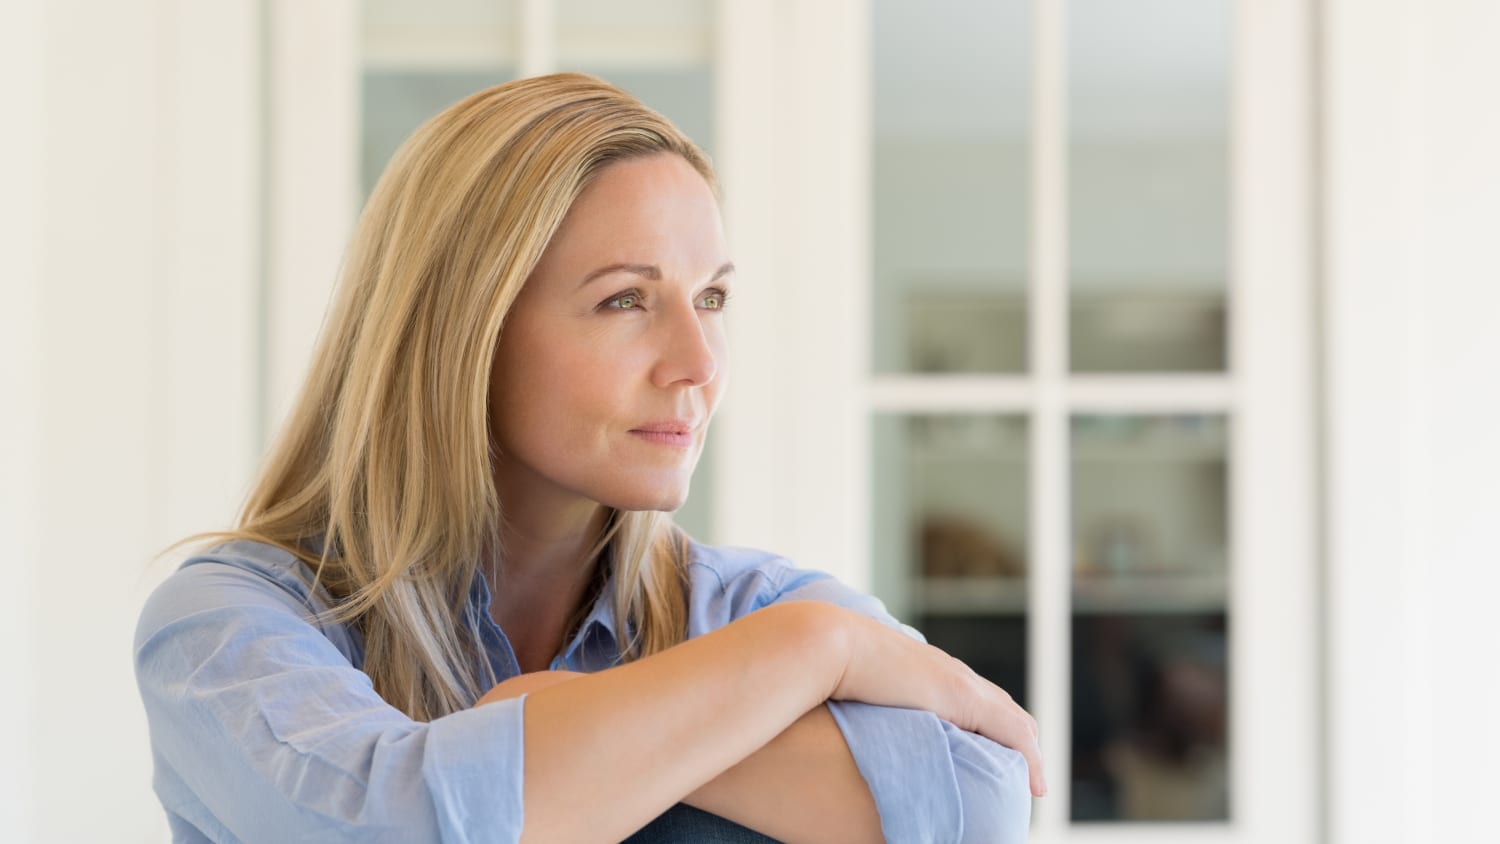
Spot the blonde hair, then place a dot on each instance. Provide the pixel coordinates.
(382, 478)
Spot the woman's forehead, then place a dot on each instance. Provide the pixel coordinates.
(648, 212)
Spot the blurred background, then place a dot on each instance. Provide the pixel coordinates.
(1140, 353)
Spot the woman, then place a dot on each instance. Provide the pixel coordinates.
(454, 608)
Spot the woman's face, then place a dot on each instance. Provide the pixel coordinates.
(612, 360)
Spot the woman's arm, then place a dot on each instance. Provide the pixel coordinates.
(940, 782)
(932, 778)
(936, 782)
(640, 737)
(800, 788)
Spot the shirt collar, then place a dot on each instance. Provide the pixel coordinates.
(600, 614)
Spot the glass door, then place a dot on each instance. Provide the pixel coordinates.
(1062, 408)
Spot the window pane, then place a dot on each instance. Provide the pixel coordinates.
(950, 537)
(1148, 184)
(1150, 671)
(419, 57)
(396, 102)
(951, 194)
(659, 50)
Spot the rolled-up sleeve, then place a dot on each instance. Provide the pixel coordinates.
(931, 780)
(263, 730)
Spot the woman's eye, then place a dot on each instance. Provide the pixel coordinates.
(625, 302)
(714, 300)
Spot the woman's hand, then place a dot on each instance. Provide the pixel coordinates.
(525, 684)
(889, 668)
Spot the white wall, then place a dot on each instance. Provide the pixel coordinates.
(21, 159)
(130, 231)
(1412, 210)
(794, 209)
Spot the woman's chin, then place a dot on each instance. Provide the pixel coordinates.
(663, 500)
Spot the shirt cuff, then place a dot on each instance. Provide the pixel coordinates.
(903, 756)
(474, 768)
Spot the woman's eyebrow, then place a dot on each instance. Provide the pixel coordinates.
(647, 271)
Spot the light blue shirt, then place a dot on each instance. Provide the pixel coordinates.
(264, 728)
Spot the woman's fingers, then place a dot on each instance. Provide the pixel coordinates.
(889, 668)
(1020, 732)
(1032, 751)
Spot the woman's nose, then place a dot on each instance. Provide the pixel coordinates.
(689, 353)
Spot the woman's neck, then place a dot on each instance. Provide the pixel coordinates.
(542, 576)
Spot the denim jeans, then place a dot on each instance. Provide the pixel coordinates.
(684, 824)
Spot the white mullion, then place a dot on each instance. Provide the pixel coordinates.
(1048, 631)
(1123, 394)
(538, 45)
(951, 393)
(1155, 394)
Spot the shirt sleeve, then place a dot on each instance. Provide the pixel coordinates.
(263, 730)
(931, 780)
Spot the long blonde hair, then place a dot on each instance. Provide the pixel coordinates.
(382, 478)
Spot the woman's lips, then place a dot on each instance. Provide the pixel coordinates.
(676, 432)
(672, 438)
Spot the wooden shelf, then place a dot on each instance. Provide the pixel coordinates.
(970, 595)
